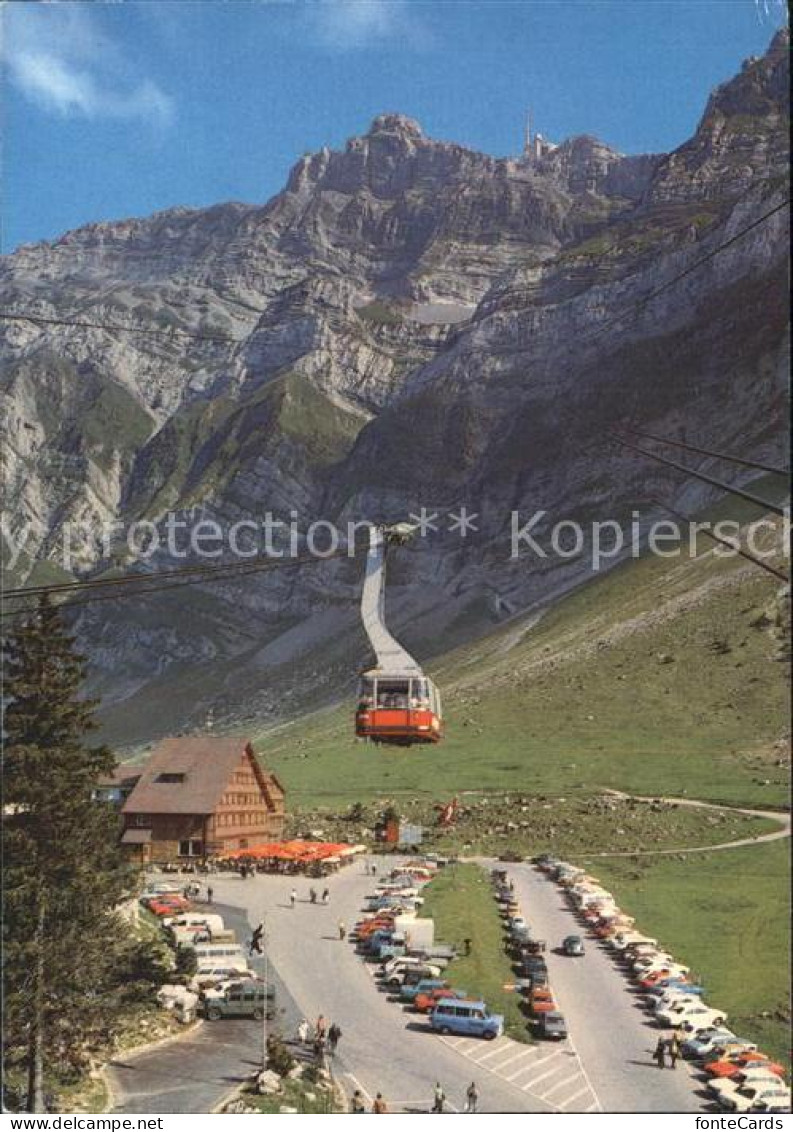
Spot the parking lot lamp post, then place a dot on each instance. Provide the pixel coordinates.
(266, 984)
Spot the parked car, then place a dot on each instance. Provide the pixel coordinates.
(534, 963)
(668, 1000)
(410, 975)
(752, 1075)
(425, 1002)
(245, 999)
(551, 1026)
(757, 1098)
(691, 1015)
(573, 945)
(541, 1000)
(471, 1019)
(408, 991)
(664, 986)
(735, 1064)
(211, 976)
(706, 1042)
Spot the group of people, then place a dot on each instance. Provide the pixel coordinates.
(667, 1047)
(358, 1104)
(323, 1038)
(312, 896)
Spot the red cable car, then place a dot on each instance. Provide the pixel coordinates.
(397, 703)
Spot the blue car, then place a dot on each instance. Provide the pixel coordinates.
(468, 1018)
(660, 988)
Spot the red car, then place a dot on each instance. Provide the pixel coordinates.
(731, 1066)
(169, 905)
(541, 1000)
(425, 1002)
(656, 977)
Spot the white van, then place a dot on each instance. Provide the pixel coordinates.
(220, 954)
(213, 974)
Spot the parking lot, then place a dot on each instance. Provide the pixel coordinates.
(606, 1064)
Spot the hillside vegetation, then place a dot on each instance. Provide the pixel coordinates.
(664, 676)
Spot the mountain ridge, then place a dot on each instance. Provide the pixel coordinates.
(415, 324)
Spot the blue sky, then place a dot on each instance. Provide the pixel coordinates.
(121, 109)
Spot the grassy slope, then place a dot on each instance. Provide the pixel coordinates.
(654, 678)
(460, 901)
(728, 916)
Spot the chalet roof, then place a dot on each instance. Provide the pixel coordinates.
(125, 774)
(187, 775)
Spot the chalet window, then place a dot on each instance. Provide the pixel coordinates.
(141, 820)
(191, 848)
(170, 776)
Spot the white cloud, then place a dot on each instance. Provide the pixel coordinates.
(348, 24)
(59, 58)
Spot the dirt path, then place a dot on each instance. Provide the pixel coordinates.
(782, 820)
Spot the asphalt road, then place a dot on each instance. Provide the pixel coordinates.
(193, 1073)
(606, 1065)
(612, 1034)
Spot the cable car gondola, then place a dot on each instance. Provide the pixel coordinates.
(397, 703)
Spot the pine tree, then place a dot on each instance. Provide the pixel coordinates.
(63, 869)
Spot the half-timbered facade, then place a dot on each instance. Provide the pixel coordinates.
(201, 796)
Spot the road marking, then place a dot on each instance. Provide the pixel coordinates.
(521, 1053)
(527, 1069)
(586, 1076)
(536, 1080)
(561, 1085)
(358, 1085)
(506, 1044)
(575, 1096)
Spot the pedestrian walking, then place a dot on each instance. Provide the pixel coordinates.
(379, 1104)
(326, 896)
(674, 1051)
(293, 898)
(438, 1098)
(210, 894)
(319, 1046)
(660, 1054)
(334, 1033)
(312, 895)
(467, 944)
(357, 1102)
(342, 930)
(256, 940)
(303, 1032)
(471, 1098)
(321, 1026)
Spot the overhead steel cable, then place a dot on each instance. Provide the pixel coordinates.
(739, 491)
(156, 575)
(639, 305)
(736, 549)
(709, 452)
(230, 572)
(49, 320)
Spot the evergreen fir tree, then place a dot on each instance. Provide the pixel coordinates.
(63, 869)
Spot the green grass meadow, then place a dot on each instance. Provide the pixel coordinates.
(726, 915)
(460, 901)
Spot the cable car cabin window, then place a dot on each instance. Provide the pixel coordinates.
(393, 693)
(367, 691)
(419, 695)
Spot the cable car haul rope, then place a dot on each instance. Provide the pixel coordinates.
(397, 704)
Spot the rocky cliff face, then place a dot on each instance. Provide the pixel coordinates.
(413, 324)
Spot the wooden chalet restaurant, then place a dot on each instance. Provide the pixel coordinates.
(196, 796)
